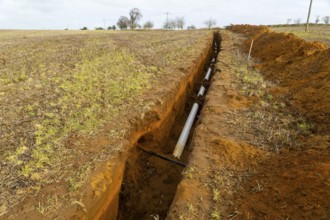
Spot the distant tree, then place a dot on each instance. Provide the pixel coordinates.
(135, 15)
(148, 25)
(99, 28)
(166, 25)
(122, 22)
(84, 28)
(180, 22)
(173, 24)
(191, 27)
(210, 23)
(288, 21)
(317, 19)
(326, 19)
(297, 21)
(113, 27)
(170, 24)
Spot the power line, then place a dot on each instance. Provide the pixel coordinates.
(167, 13)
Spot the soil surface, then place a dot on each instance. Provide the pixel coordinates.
(86, 179)
(150, 182)
(317, 32)
(300, 69)
(261, 146)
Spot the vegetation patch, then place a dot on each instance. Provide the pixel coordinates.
(320, 32)
(270, 117)
(58, 89)
(78, 101)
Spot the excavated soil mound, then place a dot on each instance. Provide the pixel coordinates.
(247, 157)
(291, 185)
(300, 68)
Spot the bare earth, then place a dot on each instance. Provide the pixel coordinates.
(80, 109)
(70, 102)
(251, 157)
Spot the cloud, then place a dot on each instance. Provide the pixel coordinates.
(60, 14)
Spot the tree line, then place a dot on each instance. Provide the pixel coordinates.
(135, 15)
(318, 19)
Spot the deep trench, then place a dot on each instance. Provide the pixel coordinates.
(150, 183)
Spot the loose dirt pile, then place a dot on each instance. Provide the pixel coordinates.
(300, 68)
(253, 156)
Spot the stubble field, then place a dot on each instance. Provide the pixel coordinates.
(61, 89)
(319, 32)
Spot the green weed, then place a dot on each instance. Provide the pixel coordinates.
(216, 193)
(215, 215)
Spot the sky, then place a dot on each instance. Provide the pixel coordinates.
(75, 14)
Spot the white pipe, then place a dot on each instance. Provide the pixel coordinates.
(208, 74)
(213, 60)
(185, 132)
(201, 91)
(190, 120)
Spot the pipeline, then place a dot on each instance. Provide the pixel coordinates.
(151, 153)
(182, 141)
(160, 170)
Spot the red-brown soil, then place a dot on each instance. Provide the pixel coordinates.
(293, 185)
(301, 70)
(235, 169)
(248, 159)
(155, 113)
(149, 184)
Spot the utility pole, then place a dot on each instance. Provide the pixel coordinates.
(167, 13)
(309, 13)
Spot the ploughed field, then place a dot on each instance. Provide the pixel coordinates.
(68, 100)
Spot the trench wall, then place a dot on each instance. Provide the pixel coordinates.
(157, 121)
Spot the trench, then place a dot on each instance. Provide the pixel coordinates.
(150, 183)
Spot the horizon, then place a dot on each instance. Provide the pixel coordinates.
(73, 15)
